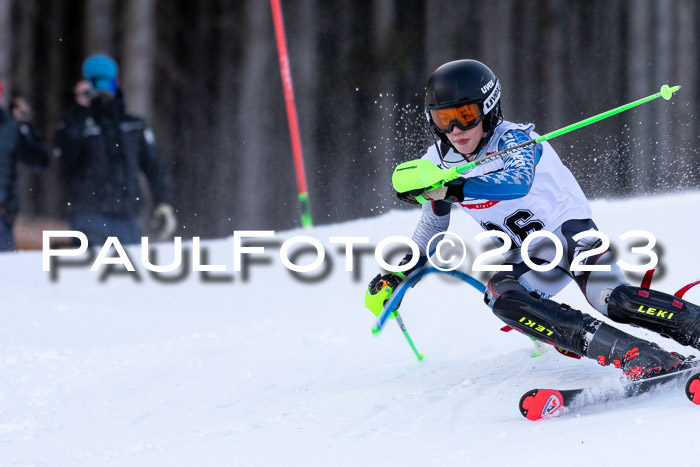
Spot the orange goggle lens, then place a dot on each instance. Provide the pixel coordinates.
(465, 117)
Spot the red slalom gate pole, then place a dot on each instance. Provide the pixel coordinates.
(291, 112)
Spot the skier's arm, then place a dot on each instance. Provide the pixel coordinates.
(434, 220)
(515, 180)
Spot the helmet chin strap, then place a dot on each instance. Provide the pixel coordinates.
(444, 139)
(441, 140)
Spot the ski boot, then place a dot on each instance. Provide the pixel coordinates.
(638, 358)
(571, 330)
(668, 315)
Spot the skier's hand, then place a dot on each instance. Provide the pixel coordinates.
(436, 193)
(379, 291)
(452, 191)
(410, 196)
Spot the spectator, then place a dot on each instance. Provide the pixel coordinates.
(102, 150)
(19, 141)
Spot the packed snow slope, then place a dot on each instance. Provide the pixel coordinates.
(116, 368)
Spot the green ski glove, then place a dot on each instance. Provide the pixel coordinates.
(379, 291)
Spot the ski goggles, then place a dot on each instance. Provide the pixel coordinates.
(465, 117)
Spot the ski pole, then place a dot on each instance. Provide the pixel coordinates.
(399, 321)
(423, 174)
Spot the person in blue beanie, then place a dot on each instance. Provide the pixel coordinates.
(19, 142)
(103, 150)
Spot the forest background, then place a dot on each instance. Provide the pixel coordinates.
(206, 76)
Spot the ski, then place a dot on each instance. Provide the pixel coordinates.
(539, 404)
(692, 389)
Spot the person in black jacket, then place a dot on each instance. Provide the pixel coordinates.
(19, 141)
(102, 151)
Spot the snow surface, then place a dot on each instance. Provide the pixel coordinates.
(275, 371)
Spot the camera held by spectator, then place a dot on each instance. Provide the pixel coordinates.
(84, 93)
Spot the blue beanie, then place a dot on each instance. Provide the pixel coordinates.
(101, 70)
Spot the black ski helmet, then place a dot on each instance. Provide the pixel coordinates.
(462, 82)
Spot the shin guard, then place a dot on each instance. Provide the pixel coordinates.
(659, 312)
(572, 330)
(545, 320)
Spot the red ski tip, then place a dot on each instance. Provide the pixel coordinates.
(541, 403)
(692, 389)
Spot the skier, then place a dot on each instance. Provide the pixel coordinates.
(527, 191)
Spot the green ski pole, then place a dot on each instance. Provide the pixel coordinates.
(423, 174)
(399, 321)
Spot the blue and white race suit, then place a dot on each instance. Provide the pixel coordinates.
(524, 192)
